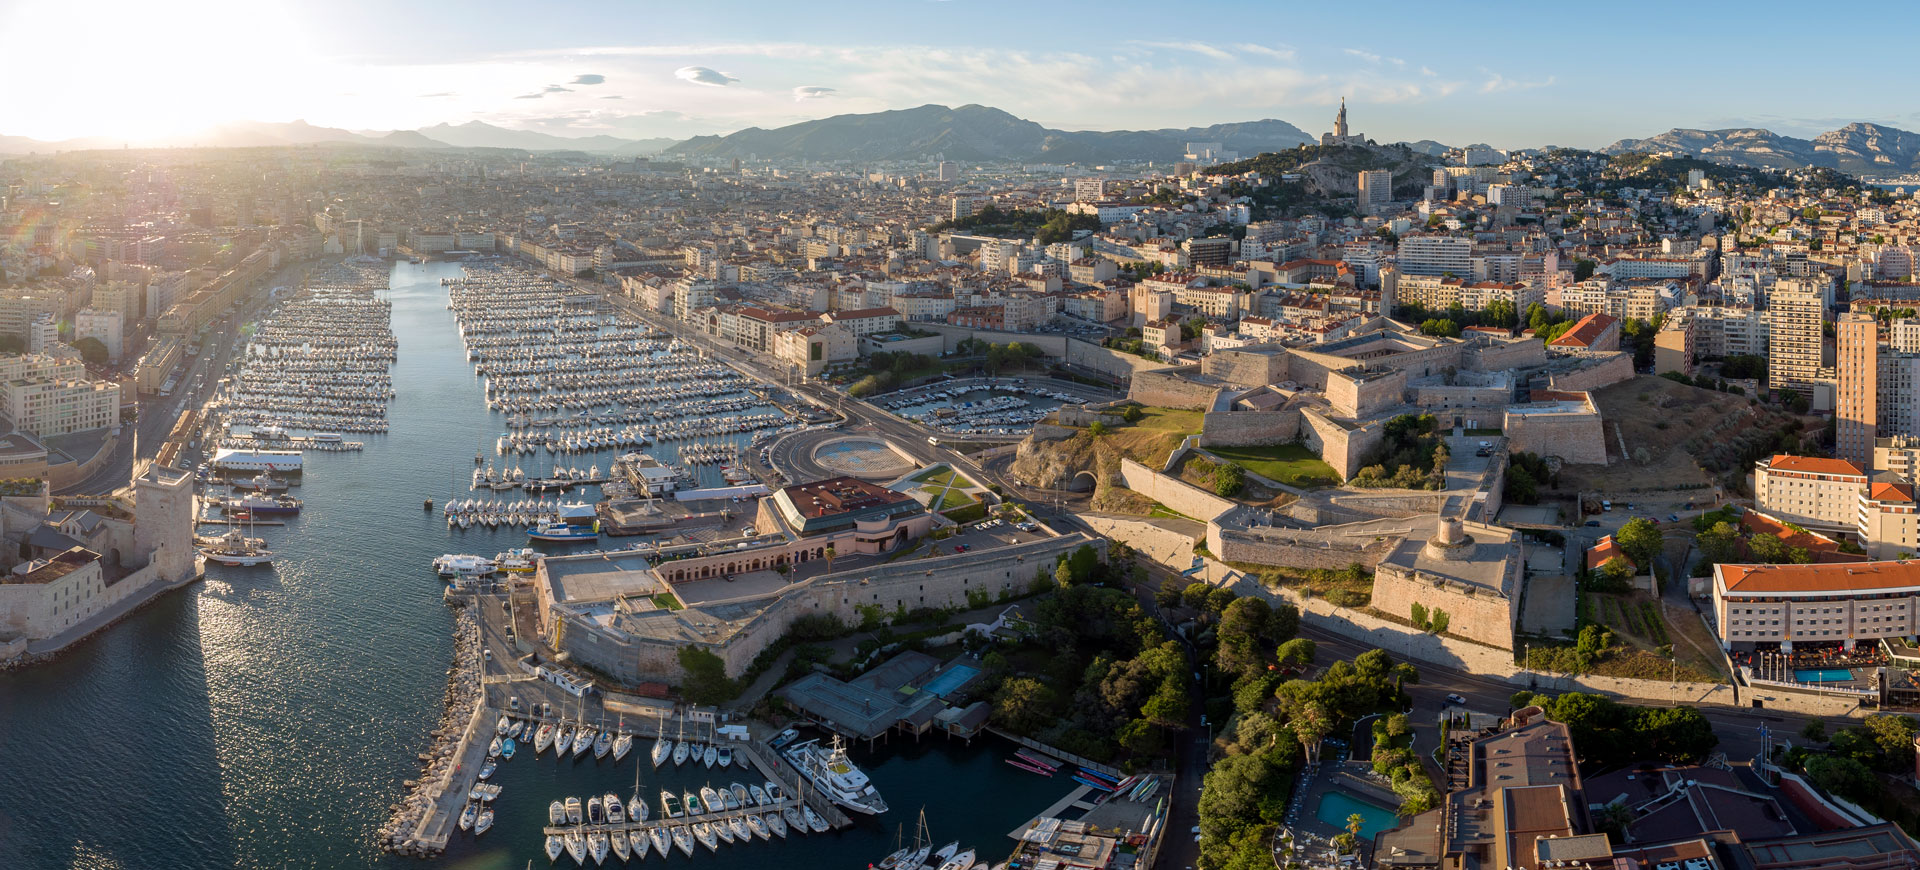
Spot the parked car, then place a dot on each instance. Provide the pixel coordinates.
(1456, 700)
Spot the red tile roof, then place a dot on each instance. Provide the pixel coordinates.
(1859, 577)
(1586, 332)
(1814, 465)
(1892, 492)
(1603, 551)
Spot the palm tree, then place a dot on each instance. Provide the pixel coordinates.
(1354, 823)
(829, 558)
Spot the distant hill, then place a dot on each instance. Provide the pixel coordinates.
(257, 134)
(976, 134)
(1856, 149)
(479, 134)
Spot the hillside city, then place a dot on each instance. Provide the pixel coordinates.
(1325, 502)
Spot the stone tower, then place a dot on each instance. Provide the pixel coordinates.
(163, 520)
(1340, 121)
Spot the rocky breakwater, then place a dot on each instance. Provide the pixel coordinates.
(406, 831)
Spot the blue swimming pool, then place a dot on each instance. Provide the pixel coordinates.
(951, 680)
(1823, 675)
(1336, 806)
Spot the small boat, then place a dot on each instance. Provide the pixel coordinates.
(563, 532)
(724, 831)
(777, 824)
(945, 852)
(680, 751)
(597, 846)
(759, 796)
(484, 822)
(710, 756)
(726, 756)
(487, 769)
(554, 847)
(683, 840)
(704, 832)
(711, 799)
(660, 838)
(669, 805)
(602, 745)
(494, 747)
(775, 793)
(758, 826)
(622, 745)
(692, 803)
(573, 811)
(741, 797)
(577, 847)
(562, 741)
(640, 843)
(516, 729)
(794, 819)
(507, 748)
(556, 813)
(819, 825)
(501, 726)
(962, 861)
(741, 830)
(596, 815)
(542, 738)
(662, 750)
(467, 816)
(616, 812)
(582, 739)
(621, 850)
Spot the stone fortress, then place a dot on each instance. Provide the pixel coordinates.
(75, 565)
(1438, 548)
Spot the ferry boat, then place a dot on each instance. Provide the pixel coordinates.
(236, 549)
(830, 771)
(562, 531)
(521, 561)
(262, 482)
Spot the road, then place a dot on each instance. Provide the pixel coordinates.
(1737, 728)
(197, 382)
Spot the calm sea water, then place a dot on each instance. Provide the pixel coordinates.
(267, 718)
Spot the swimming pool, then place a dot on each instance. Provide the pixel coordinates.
(951, 680)
(1823, 675)
(1336, 806)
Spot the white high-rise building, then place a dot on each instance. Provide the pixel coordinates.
(1794, 312)
(1433, 254)
(1089, 189)
(105, 326)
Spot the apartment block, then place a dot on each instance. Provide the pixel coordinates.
(1809, 490)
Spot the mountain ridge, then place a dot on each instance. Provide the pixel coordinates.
(1861, 148)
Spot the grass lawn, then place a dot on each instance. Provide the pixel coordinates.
(1160, 510)
(954, 497)
(1291, 464)
(667, 601)
(938, 479)
(1169, 419)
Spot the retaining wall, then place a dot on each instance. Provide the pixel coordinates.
(1171, 388)
(1611, 370)
(1173, 492)
(1249, 428)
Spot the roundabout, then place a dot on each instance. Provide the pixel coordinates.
(823, 453)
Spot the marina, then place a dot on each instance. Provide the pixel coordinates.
(276, 766)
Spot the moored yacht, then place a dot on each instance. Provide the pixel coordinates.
(836, 776)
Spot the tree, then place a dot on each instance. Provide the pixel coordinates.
(91, 350)
(1419, 614)
(1023, 704)
(1097, 429)
(1196, 595)
(1583, 269)
(707, 681)
(1846, 777)
(1721, 543)
(1616, 573)
(1439, 622)
(1167, 707)
(1167, 595)
(830, 554)
(1284, 623)
(1356, 822)
(1218, 599)
(1640, 540)
(1296, 652)
(1062, 574)
(1815, 731)
(1767, 548)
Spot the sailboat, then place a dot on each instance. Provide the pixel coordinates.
(680, 746)
(637, 808)
(623, 743)
(662, 748)
(603, 743)
(710, 754)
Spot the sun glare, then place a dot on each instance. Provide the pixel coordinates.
(141, 70)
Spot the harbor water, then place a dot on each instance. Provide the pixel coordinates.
(269, 716)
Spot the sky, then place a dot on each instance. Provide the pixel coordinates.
(1510, 75)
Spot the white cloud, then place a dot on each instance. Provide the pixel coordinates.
(1497, 83)
(811, 92)
(701, 75)
(1276, 52)
(1367, 56)
(1195, 47)
(588, 79)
